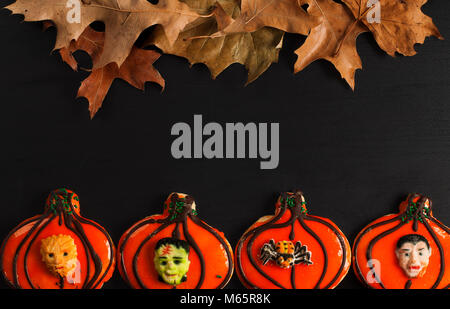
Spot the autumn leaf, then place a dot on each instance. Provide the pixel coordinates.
(136, 70)
(331, 29)
(335, 28)
(124, 21)
(286, 15)
(256, 50)
(333, 39)
(219, 33)
(402, 23)
(90, 41)
(66, 53)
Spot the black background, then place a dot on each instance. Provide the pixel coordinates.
(355, 155)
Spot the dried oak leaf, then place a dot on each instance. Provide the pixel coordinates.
(402, 23)
(124, 21)
(256, 50)
(333, 39)
(286, 15)
(65, 53)
(137, 69)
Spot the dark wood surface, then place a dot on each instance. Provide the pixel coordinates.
(355, 155)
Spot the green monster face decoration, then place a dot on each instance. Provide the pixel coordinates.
(172, 260)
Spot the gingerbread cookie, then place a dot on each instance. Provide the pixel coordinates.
(407, 250)
(58, 249)
(175, 250)
(292, 249)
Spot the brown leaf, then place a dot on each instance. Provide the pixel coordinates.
(257, 50)
(46, 24)
(402, 24)
(124, 21)
(90, 41)
(333, 39)
(136, 70)
(286, 15)
(65, 53)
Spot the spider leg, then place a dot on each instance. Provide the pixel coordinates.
(268, 252)
(301, 254)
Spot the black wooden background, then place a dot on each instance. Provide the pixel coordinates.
(355, 155)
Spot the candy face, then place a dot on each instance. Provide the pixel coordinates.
(309, 252)
(175, 249)
(172, 260)
(58, 249)
(407, 250)
(413, 254)
(59, 253)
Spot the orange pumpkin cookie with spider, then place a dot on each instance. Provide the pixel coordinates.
(407, 250)
(292, 249)
(175, 249)
(58, 249)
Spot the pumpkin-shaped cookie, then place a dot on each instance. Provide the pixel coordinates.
(58, 249)
(407, 250)
(175, 250)
(292, 249)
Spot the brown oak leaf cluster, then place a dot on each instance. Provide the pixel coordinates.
(219, 33)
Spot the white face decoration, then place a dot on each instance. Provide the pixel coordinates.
(413, 258)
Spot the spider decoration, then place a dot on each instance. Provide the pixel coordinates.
(285, 254)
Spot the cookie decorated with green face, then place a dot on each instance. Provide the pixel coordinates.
(58, 249)
(406, 250)
(175, 249)
(292, 249)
